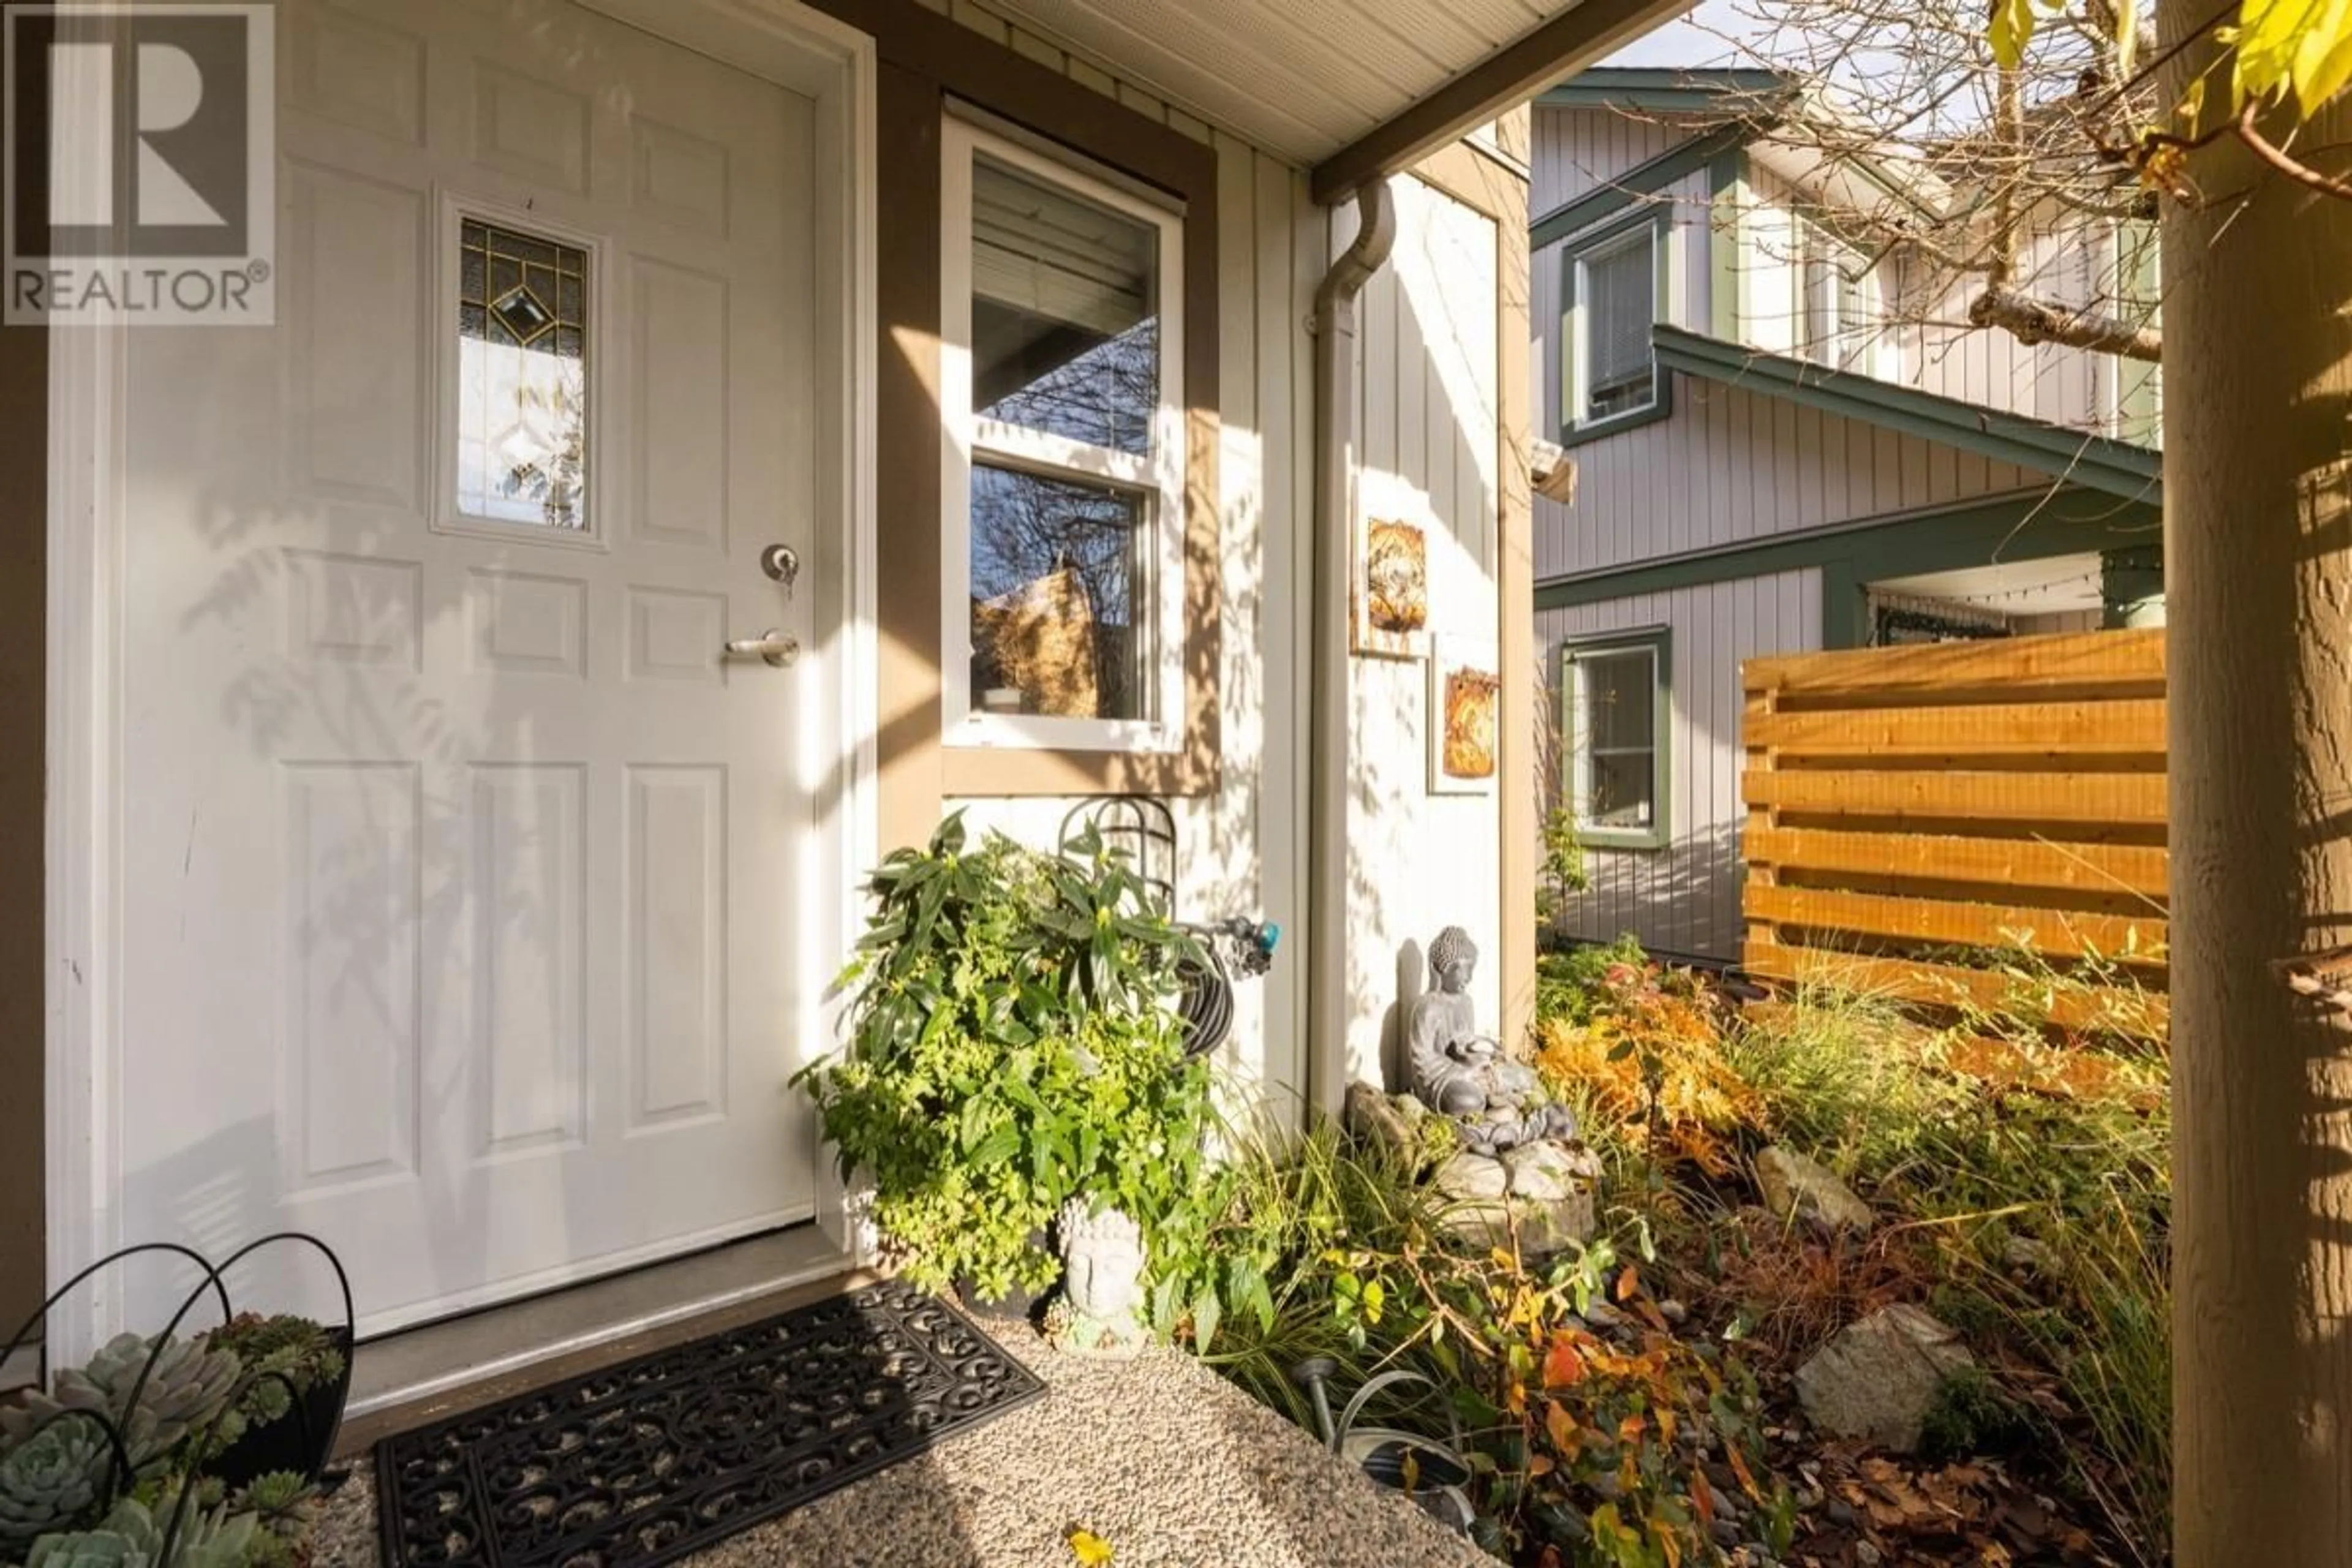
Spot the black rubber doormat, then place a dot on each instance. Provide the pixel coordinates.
(642, 1463)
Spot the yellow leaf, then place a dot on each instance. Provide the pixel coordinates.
(1560, 1427)
(2301, 49)
(2322, 63)
(2011, 30)
(1091, 1550)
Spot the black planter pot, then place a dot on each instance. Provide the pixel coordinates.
(1016, 1303)
(302, 1440)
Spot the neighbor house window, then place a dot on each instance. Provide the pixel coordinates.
(1061, 357)
(1615, 280)
(1841, 316)
(1615, 700)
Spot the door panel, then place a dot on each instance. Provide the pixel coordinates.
(460, 864)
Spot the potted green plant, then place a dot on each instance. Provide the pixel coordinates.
(1012, 1043)
(298, 1374)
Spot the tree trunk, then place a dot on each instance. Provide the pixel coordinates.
(2258, 581)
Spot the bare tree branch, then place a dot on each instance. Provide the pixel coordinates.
(2030, 320)
(2286, 162)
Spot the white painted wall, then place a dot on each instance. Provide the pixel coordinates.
(1431, 449)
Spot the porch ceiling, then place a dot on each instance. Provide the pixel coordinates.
(1307, 78)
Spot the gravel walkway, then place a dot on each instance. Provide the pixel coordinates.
(1171, 1465)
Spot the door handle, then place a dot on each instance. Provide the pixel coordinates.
(779, 649)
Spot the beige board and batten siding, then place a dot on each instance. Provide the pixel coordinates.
(1431, 438)
(1685, 897)
(1240, 849)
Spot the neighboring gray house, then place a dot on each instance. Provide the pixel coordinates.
(1785, 445)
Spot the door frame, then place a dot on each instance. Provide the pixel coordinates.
(780, 40)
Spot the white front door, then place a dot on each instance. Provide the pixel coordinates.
(461, 867)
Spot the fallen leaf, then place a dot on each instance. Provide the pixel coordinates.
(1091, 1550)
(1563, 1365)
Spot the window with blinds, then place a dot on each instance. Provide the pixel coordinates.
(1615, 723)
(1062, 479)
(1617, 283)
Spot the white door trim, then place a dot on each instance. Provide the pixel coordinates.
(784, 40)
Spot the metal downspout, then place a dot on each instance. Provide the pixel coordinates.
(1330, 740)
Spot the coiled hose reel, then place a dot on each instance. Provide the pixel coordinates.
(1237, 947)
(1143, 831)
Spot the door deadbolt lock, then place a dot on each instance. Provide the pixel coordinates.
(776, 647)
(782, 562)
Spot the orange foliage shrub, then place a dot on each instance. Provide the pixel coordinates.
(1651, 1062)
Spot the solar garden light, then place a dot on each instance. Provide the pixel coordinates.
(1431, 1473)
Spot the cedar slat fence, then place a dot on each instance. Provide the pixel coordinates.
(1903, 803)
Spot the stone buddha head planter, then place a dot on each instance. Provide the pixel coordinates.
(1102, 1281)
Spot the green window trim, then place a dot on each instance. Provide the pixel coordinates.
(1727, 199)
(1658, 642)
(1574, 430)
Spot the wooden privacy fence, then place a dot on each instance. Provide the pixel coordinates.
(1908, 805)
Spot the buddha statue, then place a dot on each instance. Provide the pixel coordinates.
(1463, 1075)
(1102, 1283)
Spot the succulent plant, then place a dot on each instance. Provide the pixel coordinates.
(287, 1504)
(190, 1385)
(132, 1536)
(282, 1355)
(51, 1480)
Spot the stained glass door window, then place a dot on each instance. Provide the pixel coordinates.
(523, 387)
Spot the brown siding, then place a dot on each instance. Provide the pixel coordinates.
(23, 534)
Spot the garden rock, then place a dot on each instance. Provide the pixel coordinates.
(1878, 1379)
(1375, 1118)
(1550, 1173)
(1545, 1190)
(1797, 1186)
(1471, 1178)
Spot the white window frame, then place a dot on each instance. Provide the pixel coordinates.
(1157, 476)
(1817, 245)
(1657, 237)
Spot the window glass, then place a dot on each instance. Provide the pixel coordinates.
(1064, 510)
(1617, 701)
(1059, 569)
(1856, 324)
(1064, 313)
(1619, 290)
(522, 389)
(1839, 302)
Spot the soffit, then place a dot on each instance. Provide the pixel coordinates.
(1302, 78)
